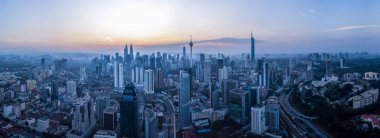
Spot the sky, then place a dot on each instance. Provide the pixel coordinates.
(106, 26)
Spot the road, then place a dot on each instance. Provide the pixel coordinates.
(306, 120)
(241, 130)
(291, 129)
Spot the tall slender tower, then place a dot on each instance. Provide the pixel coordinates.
(184, 99)
(129, 112)
(184, 57)
(252, 49)
(126, 55)
(191, 51)
(131, 53)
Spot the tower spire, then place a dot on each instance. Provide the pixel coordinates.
(191, 51)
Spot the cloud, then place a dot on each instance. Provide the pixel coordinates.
(18, 40)
(301, 13)
(313, 11)
(352, 27)
(108, 40)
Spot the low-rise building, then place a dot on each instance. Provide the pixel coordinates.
(371, 76)
(364, 99)
(105, 134)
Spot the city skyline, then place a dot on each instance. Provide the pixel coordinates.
(99, 26)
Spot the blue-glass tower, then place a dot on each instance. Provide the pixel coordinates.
(252, 49)
(129, 112)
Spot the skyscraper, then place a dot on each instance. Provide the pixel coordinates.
(83, 118)
(137, 74)
(207, 72)
(109, 118)
(191, 51)
(223, 73)
(258, 119)
(239, 105)
(71, 87)
(266, 75)
(118, 75)
(226, 86)
(150, 123)
(159, 79)
(272, 110)
(215, 98)
(184, 65)
(43, 62)
(252, 49)
(129, 112)
(101, 104)
(131, 56)
(126, 54)
(328, 67)
(83, 75)
(184, 99)
(255, 95)
(200, 68)
(149, 81)
(54, 93)
(152, 61)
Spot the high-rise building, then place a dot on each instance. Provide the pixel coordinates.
(42, 124)
(82, 72)
(184, 58)
(101, 104)
(239, 105)
(341, 62)
(109, 118)
(272, 117)
(158, 60)
(200, 68)
(126, 54)
(149, 81)
(118, 75)
(309, 65)
(255, 95)
(288, 71)
(258, 119)
(30, 74)
(266, 75)
(223, 73)
(43, 62)
(54, 93)
(137, 74)
(7, 110)
(31, 84)
(191, 52)
(71, 87)
(129, 112)
(184, 99)
(83, 118)
(226, 86)
(215, 98)
(252, 49)
(2, 94)
(328, 67)
(207, 72)
(159, 79)
(152, 61)
(131, 56)
(45, 94)
(150, 123)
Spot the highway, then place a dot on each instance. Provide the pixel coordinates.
(291, 129)
(306, 121)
